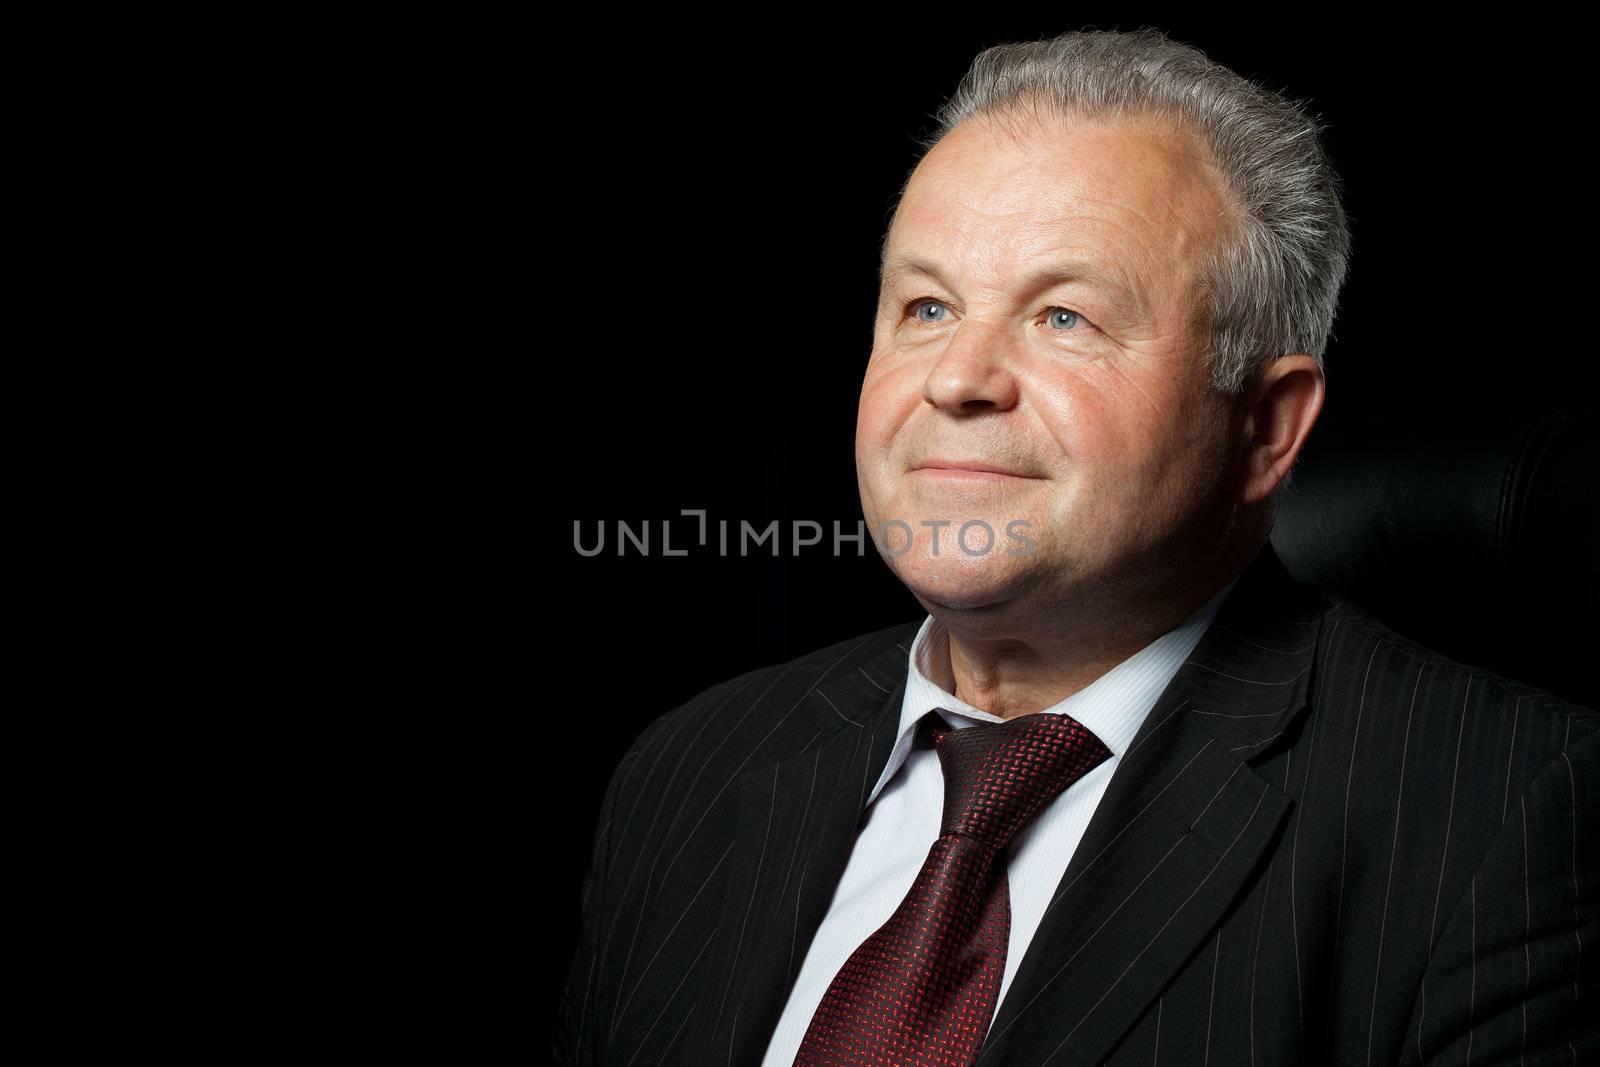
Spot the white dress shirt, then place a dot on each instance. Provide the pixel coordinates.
(906, 807)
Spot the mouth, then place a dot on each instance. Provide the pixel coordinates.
(968, 469)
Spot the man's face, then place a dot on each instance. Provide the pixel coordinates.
(1040, 314)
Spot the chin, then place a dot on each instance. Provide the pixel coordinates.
(962, 584)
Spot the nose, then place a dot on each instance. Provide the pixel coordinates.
(971, 376)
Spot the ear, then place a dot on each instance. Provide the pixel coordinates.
(1282, 403)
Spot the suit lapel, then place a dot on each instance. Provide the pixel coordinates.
(1181, 826)
(1175, 837)
(797, 823)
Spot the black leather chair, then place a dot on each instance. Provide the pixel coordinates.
(1477, 536)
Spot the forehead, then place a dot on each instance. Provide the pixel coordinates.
(1137, 192)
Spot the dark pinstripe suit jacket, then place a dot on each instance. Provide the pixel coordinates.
(1326, 844)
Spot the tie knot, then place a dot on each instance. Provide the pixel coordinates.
(998, 775)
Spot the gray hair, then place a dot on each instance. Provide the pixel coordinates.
(1272, 287)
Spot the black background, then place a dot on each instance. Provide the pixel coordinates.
(708, 227)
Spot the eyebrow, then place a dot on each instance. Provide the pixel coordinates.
(904, 265)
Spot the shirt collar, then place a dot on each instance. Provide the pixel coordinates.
(1113, 706)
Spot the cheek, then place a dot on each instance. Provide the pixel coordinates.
(869, 423)
(1121, 440)
(874, 449)
(1094, 428)
(888, 396)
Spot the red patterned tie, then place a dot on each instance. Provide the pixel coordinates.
(922, 989)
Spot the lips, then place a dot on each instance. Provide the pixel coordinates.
(967, 469)
(969, 466)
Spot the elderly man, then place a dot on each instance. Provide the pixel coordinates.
(1129, 793)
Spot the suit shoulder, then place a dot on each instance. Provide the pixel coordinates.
(1477, 691)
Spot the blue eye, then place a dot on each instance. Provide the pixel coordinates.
(930, 312)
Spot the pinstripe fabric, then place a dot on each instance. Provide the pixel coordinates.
(900, 826)
(1325, 844)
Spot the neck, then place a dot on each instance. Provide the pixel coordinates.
(1014, 659)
